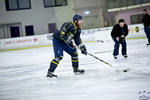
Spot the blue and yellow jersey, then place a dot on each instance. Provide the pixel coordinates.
(68, 32)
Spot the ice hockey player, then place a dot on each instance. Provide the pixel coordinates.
(146, 22)
(118, 34)
(62, 41)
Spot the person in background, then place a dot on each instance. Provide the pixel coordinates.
(118, 34)
(146, 22)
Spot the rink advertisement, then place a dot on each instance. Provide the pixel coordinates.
(91, 35)
(24, 42)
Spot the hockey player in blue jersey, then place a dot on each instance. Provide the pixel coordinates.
(62, 41)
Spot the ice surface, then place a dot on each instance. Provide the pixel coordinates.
(22, 74)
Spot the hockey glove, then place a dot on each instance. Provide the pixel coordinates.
(83, 49)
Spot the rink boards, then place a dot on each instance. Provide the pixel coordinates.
(91, 35)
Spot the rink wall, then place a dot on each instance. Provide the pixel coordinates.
(104, 34)
(91, 35)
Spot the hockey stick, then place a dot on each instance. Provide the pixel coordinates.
(103, 52)
(125, 70)
(99, 59)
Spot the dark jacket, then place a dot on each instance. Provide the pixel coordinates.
(68, 31)
(146, 20)
(117, 31)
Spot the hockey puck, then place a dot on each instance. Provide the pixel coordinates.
(125, 70)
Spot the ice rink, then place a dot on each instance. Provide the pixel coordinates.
(22, 74)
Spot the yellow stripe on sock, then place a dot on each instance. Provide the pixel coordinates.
(54, 62)
(75, 60)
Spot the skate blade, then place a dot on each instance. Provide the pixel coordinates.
(79, 73)
(51, 76)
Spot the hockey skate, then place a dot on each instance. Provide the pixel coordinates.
(51, 75)
(78, 71)
(148, 44)
(125, 56)
(115, 57)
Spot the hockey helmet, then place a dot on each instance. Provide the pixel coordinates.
(77, 17)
